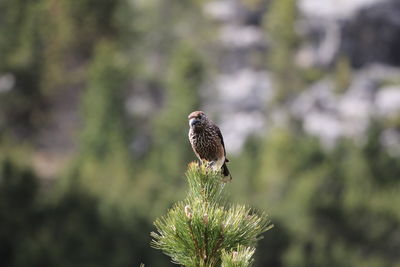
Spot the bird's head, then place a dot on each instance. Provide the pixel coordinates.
(197, 119)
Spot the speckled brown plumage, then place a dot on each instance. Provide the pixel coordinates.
(207, 141)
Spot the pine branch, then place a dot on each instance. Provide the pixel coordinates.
(203, 230)
(241, 257)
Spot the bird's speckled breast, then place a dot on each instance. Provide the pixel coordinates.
(206, 144)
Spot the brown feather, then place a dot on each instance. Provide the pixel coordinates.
(207, 141)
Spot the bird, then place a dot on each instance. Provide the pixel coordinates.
(207, 142)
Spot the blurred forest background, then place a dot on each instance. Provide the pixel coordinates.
(94, 98)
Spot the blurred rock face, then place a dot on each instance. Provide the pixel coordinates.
(333, 9)
(366, 32)
(373, 35)
(330, 116)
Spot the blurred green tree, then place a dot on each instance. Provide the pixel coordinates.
(42, 229)
(171, 150)
(21, 50)
(103, 164)
(338, 196)
(342, 74)
(280, 26)
(18, 200)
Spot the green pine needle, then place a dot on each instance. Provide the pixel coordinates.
(240, 257)
(203, 230)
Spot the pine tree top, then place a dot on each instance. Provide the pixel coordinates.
(204, 230)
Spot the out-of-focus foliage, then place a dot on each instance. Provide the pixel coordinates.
(342, 74)
(71, 67)
(280, 25)
(103, 165)
(66, 230)
(185, 76)
(336, 206)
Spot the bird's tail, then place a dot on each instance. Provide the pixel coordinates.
(226, 173)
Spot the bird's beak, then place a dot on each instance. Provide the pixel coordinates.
(193, 121)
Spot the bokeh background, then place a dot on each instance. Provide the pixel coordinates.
(94, 98)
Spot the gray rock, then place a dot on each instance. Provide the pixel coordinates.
(388, 101)
(373, 35)
(7, 82)
(333, 9)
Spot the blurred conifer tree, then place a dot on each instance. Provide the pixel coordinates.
(171, 149)
(337, 195)
(104, 165)
(280, 25)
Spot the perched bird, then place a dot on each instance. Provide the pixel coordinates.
(207, 142)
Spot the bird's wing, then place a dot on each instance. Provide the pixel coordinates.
(222, 141)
